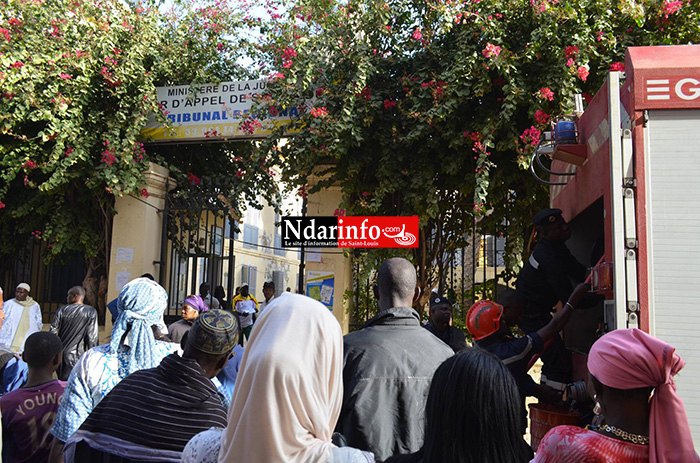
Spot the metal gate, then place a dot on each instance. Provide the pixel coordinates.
(49, 282)
(198, 232)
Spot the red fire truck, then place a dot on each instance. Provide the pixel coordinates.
(628, 182)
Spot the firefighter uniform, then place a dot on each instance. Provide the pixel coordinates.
(548, 277)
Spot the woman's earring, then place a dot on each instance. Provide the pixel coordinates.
(597, 408)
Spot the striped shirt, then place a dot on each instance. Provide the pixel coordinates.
(160, 408)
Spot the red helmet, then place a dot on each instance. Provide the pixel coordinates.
(483, 319)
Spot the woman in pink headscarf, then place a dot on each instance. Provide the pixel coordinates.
(626, 366)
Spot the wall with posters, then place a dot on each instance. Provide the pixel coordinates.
(321, 286)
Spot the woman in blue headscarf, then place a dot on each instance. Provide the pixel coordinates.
(141, 304)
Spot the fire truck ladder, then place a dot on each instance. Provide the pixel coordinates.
(623, 183)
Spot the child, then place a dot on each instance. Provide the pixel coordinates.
(29, 412)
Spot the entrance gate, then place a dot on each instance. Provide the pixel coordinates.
(198, 238)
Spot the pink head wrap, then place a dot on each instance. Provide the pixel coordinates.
(197, 303)
(630, 359)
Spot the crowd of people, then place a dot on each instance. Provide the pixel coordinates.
(280, 383)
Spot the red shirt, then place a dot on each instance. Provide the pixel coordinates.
(27, 416)
(571, 444)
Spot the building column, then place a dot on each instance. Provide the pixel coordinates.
(136, 234)
(324, 203)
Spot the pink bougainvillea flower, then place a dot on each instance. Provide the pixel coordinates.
(599, 35)
(193, 179)
(570, 51)
(289, 53)
(240, 173)
(144, 193)
(542, 117)
(617, 66)
(249, 126)
(319, 112)
(365, 194)
(546, 94)
(583, 73)
(17, 64)
(570, 62)
(365, 93)
(388, 104)
(29, 164)
(671, 6)
(2, 205)
(531, 136)
(475, 137)
(339, 212)
(491, 50)
(64, 76)
(417, 35)
(539, 7)
(108, 157)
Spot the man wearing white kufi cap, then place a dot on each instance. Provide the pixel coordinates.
(22, 318)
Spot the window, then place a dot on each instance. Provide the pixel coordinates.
(279, 250)
(249, 274)
(492, 251)
(250, 236)
(278, 280)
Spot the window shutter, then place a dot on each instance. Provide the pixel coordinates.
(252, 280)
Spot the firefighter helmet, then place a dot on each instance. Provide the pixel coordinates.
(483, 319)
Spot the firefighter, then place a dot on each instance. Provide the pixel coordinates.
(489, 324)
(547, 279)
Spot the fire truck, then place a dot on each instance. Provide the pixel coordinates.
(626, 174)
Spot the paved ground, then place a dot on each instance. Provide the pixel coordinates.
(535, 372)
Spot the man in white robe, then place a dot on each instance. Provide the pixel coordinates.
(22, 318)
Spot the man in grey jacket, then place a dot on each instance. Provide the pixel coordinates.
(388, 366)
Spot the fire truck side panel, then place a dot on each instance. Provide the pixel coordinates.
(673, 248)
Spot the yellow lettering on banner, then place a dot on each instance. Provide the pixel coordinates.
(209, 132)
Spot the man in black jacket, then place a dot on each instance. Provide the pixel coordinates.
(76, 325)
(388, 367)
(547, 279)
(440, 316)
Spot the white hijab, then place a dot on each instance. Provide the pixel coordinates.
(289, 391)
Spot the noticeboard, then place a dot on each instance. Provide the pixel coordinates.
(320, 286)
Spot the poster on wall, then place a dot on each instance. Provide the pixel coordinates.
(319, 286)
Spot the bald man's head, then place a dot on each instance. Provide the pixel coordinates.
(396, 284)
(76, 295)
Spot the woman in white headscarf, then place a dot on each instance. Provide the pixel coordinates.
(288, 394)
